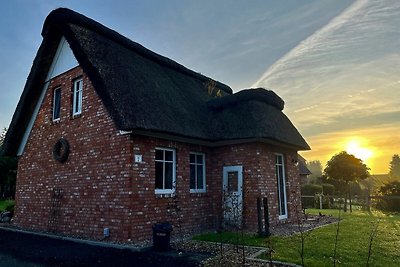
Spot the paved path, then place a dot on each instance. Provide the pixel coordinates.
(48, 251)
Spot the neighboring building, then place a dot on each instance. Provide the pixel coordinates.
(304, 172)
(109, 134)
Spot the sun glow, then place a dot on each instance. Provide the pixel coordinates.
(356, 148)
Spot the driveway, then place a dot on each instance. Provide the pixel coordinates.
(48, 251)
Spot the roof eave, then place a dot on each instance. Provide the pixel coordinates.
(215, 143)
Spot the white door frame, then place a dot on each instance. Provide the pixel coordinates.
(232, 201)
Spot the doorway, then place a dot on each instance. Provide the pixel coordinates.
(232, 195)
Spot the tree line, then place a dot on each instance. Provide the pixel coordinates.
(8, 172)
(350, 176)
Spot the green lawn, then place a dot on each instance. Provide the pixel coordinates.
(5, 203)
(353, 241)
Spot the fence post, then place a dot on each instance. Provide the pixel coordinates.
(320, 201)
(368, 200)
(266, 216)
(259, 217)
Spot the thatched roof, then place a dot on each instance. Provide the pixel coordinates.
(145, 91)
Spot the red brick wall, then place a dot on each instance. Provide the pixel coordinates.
(95, 178)
(258, 161)
(102, 186)
(197, 210)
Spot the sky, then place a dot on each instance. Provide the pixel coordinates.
(336, 64)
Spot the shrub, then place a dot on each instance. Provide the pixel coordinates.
(10, 207)
(4, 204)
(391, 190)
(328, 189)
(311, 189)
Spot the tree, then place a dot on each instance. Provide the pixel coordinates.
(2, 136)
(8, 166)
(315, 168)
(346, 169)
(394, 167)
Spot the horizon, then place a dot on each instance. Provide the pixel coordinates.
(335, 64)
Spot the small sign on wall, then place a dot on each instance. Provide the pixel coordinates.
(138, 158)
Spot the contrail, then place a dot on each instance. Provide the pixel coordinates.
(312, 41)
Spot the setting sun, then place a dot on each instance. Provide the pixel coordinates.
(355, 148)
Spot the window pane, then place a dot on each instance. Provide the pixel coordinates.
(77, 99)
(192, 158)
(279, 170)
(168, 155)
(76, 102)
(233, 182)
(200, 177)
(199, 159)
(168, 175)
(159, 154)
(57, 104)
(281, 197)
(80, 101)
(165, 173)
(159, 175)
(192, 177)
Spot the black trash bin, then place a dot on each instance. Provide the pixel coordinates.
(161, 236)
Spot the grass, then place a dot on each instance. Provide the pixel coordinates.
(5, 203)
(353, 241)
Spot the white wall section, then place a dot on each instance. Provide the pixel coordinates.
(63, 61)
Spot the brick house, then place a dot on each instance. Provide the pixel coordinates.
(304, 172)
(111, 135)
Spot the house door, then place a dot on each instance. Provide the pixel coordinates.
(232, 195)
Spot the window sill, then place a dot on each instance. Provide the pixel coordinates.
(56, 121)
(161, 193)
(283, 217)
(198, 191)
(75, 116)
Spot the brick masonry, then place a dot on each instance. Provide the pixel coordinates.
(101, 186)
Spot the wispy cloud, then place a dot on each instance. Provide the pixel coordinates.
(346, 75)
(347, 63)
(234, 41)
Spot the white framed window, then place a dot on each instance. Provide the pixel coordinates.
(197, 172)
(281, 185)
(77, 97)
(57, 104)
(165, 164)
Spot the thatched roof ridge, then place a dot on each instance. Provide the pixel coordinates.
(255, 119)
(255, 94)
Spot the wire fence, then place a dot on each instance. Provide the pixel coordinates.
(363, 202)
